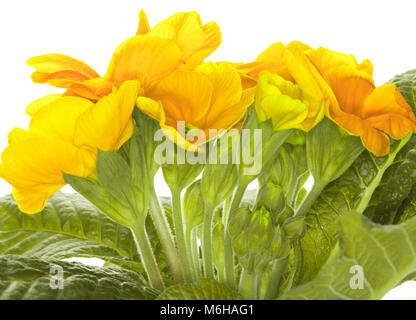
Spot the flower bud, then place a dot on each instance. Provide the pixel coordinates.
(239, 221)
(294, 227)
(260, 231)
(271, 197)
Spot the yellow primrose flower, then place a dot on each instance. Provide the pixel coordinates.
(209, 97)
(355, 103)
(179, 42)
(64, 136)
(286, 104)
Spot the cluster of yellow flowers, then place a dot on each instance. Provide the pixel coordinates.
(161, 71)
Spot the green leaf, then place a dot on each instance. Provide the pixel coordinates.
(386, 254)
(352, 191)
(330, 151)
(23, 278)
(395, 187)
(406, 83)
(69, 226)
(202, 290)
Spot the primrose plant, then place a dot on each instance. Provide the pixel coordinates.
(212, 128)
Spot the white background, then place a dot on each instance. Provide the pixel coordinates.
(382, 31)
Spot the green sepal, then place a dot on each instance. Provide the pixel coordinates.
(193, 206)
(330, 151)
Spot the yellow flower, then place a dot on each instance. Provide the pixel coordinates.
(355, 103)
(64, 136)
(179, 42)
(209, 97)
(286, 104)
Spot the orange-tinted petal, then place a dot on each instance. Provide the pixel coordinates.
(59, 66)
(144, 26)
(143, 58)
(375, 141)
(351, 88)
(185, 96)
(325, 60)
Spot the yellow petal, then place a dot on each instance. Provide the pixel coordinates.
(150, 107)
(17, 134)
(285, 112)
(351, 88)
(58, 118)
(143, 27)
(59, 66)
(109, 123)
(185, 96)
(37, 163)
(194, 40)
(375, 141)
(93, 89)
(226, 92)
(36, 105)
(387, 110)
(29, 201)
(143, 58)
(326, 60)
(308, 77)
(234, 113)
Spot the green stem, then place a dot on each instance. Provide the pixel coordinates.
(310, 198)
(207, 242)
(147, 257)
(248, 285)
(165, 235)
(278, 268)
(180, 235)
(193, 244)
(229, 275)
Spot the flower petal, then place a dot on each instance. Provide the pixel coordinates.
(38, 104)
(226, 91)
(109, 123)
(144, 26)
(58, 118)
(387, 110)
(194, 40)
(59, 66)
(307, 76)
(351, 88)
(185, 96)
(375, 141)
(143, 58)
(326, 60)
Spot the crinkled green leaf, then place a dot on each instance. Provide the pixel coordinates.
(30, 278)
(202, 290)
(69, 226)
(406, 83)
(388, 201)
(352, 191)
(386, 254)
